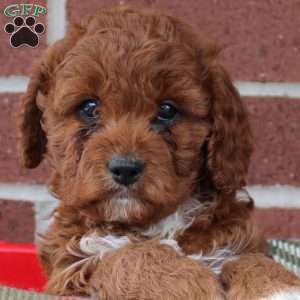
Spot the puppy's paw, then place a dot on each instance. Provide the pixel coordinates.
(152, 271)
(257, 277)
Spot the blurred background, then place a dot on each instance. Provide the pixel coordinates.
(261, 41)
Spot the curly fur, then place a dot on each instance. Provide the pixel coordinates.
(105, 239)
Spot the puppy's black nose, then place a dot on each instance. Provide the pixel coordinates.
(125, 169)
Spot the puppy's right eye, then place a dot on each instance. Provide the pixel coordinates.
(88, 110)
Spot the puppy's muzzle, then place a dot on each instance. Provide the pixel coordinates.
(125, 170)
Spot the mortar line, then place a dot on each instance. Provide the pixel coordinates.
(56, 20)
(277, 90)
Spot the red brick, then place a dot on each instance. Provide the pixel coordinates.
(261, 38)
(17, 61)
(10, 169)
(279, 223)
(276, 128)
(16, 221)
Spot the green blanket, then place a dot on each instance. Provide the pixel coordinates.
(287, 253)
(14, 294)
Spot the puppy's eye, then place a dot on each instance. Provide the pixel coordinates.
(167, 112)
(88, 110)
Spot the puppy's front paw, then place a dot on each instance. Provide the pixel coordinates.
(257, 277)
(153, 271)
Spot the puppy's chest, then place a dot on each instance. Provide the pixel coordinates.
(172, 231)
(94, 245)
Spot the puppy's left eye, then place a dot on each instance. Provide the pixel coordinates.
(88, 110)
(167, 112)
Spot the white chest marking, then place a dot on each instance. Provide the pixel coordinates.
(93, 245)
(166, 229)
(177, 222)
(97, 246)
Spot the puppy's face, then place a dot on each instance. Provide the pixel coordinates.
(126, 124)
(126, 115)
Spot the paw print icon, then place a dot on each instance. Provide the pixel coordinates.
(24, 32)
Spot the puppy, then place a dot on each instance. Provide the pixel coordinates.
(149, 146)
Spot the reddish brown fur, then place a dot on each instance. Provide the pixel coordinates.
(261, 275)
(132, 60)
(145, 263)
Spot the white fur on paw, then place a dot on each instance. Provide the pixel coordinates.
(216, 259)
(290, 294)
(94, 245)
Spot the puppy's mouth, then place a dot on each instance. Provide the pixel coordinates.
(120, 194)
(123, 207)
(137, 204)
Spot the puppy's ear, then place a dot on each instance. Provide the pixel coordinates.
(30, 135)
(31, 138)
(230, 143)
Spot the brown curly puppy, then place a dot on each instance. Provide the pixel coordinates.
(149, 144)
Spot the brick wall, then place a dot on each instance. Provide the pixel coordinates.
(262, 52)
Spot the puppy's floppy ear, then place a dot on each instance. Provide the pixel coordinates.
(230, 143)
(30, 135)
